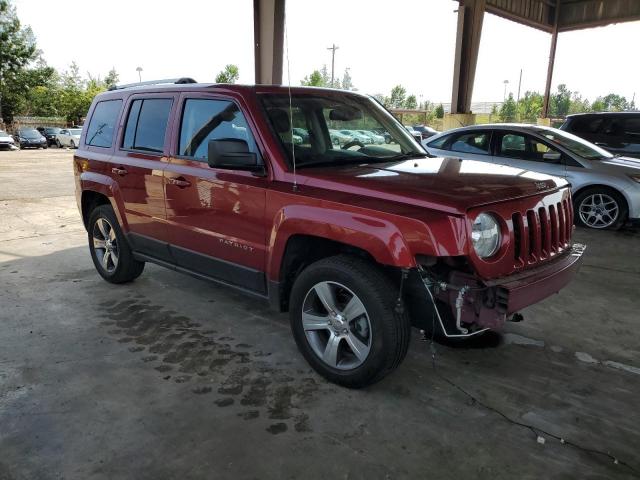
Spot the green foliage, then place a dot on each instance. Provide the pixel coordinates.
(17, 50)
(112, 78)
(439, 111)
(530, 107)
(347, 83)
(397, 98)
(508, 110)
(314, 80)
(411, 103)
(612, 103)
(229, 74)
(560, 102)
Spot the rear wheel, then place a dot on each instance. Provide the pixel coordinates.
(344, 321)
(109, 248)
(600, 208)
(58, 144)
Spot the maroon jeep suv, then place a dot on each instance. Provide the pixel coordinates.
(244, 186)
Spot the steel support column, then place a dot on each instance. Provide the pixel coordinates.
(268, 37)
(470, 17)
(552, 61)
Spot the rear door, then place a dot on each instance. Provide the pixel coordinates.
(215, 216)
(137, 166)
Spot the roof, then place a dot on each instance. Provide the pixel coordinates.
(607, 114)
(573, 14)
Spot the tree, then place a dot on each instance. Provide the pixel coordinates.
(439, 111)
(411, 103)
(611, 103)
(313, 80)
(229, 74)
(560, 102)
(347, 83)
(494, 110)
(397, 98)
(112, 78)
(508, 110)
(17, 50)
(530, 106)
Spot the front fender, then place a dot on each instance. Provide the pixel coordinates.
(379, 237)
(107, 186)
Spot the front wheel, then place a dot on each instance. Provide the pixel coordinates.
(600, 208)
(109, 248)
(58, 144)
(72, 144)
(345, 323)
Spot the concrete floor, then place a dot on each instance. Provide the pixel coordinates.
(172, 377)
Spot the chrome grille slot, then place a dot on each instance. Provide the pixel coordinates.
(553, 218)
(518, 235)
(545, 232)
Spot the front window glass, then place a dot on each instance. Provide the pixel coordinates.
(204, 120)
(521, 146)
(337, 129)
(576, 145)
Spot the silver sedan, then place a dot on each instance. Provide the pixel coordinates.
(606, 187)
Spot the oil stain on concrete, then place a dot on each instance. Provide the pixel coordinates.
(234, 372)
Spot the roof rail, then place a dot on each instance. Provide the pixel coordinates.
(182, 80)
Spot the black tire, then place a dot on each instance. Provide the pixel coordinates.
(72, 144)
(58, 144)
(621, 203)
(390, 331)
(126, 268)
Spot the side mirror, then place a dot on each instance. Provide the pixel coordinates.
(551, 157)
(232, 153)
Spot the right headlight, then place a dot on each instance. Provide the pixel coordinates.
(485, 235)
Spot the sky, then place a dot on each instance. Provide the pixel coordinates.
(382, 42)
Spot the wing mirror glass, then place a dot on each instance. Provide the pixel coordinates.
(233, 154)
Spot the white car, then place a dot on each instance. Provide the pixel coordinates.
(375, 138)
(6, 141)
(68, 137)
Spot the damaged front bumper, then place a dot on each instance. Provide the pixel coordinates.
(466, 306)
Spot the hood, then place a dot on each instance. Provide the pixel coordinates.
(446, 184)
(624, 164)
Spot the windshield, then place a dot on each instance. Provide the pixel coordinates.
(576, 145)
(339, 130)
(75, 131)
(31, 133)
(52, 131)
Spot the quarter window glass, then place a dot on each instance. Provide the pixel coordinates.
(204, 120)
(102, 124)
(147, 124)
(471, 143)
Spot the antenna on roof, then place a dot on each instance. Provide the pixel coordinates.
(293, 144)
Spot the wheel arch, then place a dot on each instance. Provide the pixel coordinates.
(603, 186)
(99, 189)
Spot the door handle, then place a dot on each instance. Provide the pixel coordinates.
(119, 171)
(180, 182)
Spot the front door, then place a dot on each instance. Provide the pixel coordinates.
(525, 152)
(215, 216)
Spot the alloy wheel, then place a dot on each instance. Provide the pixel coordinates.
(336, 325)
(105, 245)
(598, 210)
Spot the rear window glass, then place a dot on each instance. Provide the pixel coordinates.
(147, 124)
(102, 124)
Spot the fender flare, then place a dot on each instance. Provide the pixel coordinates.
(379, 237)
(107, 186)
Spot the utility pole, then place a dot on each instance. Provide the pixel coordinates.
(333, 49)
(518, 100)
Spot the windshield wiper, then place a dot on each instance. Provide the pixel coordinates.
(407, 156)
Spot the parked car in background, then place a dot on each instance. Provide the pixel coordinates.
(425, 131)
(68, 137)
(359, 244)
(302, 133)
(606, 188)
(50, 133)
(617, 132)
(6, 141)
(357, 137)
(30, 138)
(377, 139)
(414, 133)
(338, 138)
(387, 136)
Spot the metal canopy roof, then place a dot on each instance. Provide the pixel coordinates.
(573, 14)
